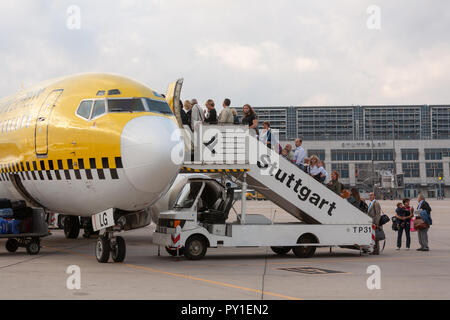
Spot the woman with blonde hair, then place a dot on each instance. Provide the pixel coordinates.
(315, 169)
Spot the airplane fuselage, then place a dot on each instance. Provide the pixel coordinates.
(86, 143)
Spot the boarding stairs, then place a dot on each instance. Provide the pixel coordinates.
(235, 152)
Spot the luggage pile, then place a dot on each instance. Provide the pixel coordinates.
(15, 217)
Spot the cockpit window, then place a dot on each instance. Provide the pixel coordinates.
(99, 108)
(125, 105)
(158, 106)
(84, 110)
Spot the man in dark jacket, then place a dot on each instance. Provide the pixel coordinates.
(426, 216)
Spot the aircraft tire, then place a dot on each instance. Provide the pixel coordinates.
(119, 251)
(71, 227)
(102, 250)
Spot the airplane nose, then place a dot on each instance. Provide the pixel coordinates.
(148, 146)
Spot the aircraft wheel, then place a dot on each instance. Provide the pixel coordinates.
(33, 247)
(305, 251)
(118, 252)
(61, 221)
(173, 252)
(281, 250)
(71, 227)
(102, 250)
(195, 248)
(12, 245)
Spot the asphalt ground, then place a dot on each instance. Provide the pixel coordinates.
(232, 273)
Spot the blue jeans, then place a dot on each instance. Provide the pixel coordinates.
(406, 227)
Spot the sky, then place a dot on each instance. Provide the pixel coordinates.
(265, 53)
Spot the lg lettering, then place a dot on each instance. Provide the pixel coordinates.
(104, 220)
(74, 18)
(374, 281)
(374, 20)
(74, 280)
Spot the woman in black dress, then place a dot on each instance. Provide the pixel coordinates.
(250, 118)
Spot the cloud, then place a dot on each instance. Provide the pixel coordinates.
(234, 55)
(259, 52)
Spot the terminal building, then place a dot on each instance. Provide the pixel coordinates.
(360, 142)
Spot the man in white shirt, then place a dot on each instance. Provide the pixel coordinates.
(300, 154)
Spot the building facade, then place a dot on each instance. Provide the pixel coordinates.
(361, 141)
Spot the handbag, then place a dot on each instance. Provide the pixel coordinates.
(384, 219)
(379, 234)
(419, 224)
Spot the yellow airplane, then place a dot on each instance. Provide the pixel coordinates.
(88, 143)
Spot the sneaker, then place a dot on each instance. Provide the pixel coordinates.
(397, 249)
(407, 249)
(426, 249)
(420, 249)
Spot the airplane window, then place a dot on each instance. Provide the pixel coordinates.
(113, 92)
(125, 105)
(158, 106)
(99, 108)
(84, 110)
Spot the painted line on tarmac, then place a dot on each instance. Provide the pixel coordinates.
(223, 284)
(314, 261)
(179, 275)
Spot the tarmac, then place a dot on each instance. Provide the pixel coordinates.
(233, 273)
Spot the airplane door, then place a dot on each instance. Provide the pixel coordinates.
(173, 97)
(42, 121)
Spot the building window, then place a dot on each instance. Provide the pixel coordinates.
(410, 154)
(436, 154)
(341, 168)
(362, 155)
(434, 169)
(318, 153)
(411, 169)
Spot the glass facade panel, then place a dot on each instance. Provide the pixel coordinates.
(341, 168)
(434, 169)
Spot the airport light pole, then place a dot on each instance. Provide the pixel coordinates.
(393, 159)
(373, 169)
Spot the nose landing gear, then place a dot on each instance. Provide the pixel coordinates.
(110, 245)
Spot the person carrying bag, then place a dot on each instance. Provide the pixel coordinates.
(423, 222)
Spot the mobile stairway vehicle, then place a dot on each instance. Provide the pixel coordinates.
(198, 216)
